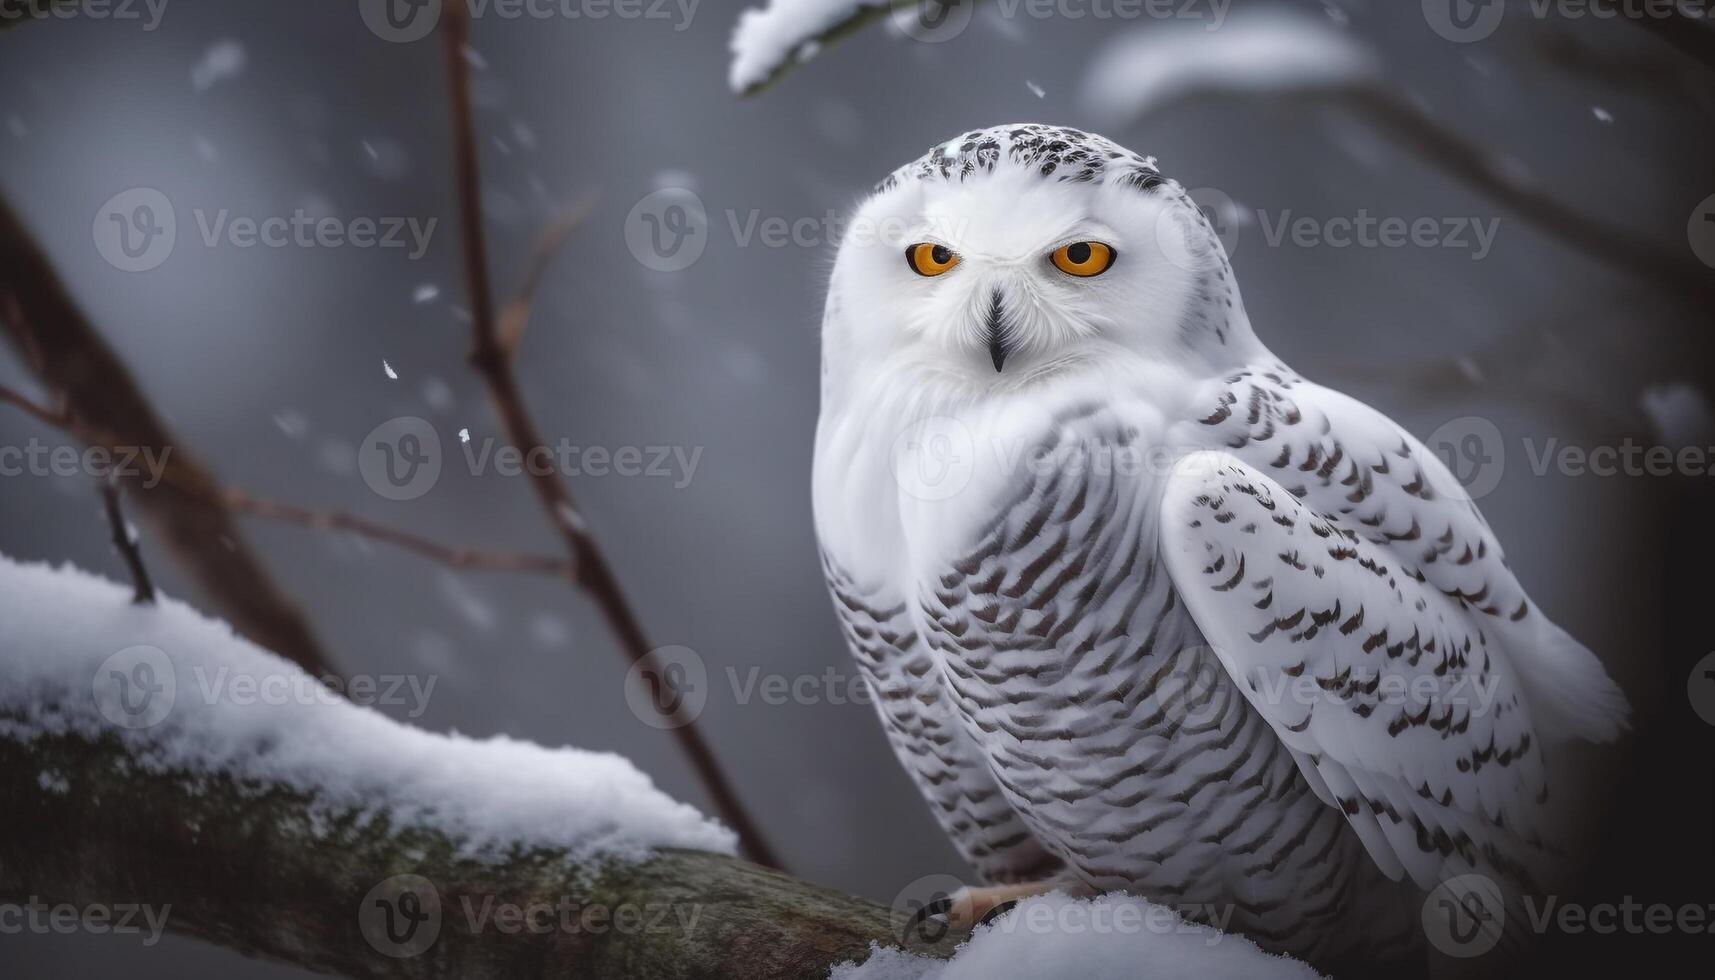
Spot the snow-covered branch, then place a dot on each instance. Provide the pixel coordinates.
(150, 758)
(769, 40)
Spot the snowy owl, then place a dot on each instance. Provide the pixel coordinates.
(1141, 608)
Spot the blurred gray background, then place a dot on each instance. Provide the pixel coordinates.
(269, 362)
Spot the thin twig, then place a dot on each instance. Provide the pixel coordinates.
(490, 359)
(515, 316)
(1642, 71)
(107, 407)
(462, 558)
(58, 418)
(1479, 169)
(1685, 280)
(143, 590)
(1691, 36)
(242, 502)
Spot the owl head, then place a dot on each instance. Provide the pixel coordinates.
(1012, 254)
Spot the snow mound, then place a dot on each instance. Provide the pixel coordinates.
(769, 37)
(1114, 937)
(188, 696)
(1271, 51)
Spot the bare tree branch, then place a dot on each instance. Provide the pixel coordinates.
(1643, 71)
(491, 359)
(59, 418)
(239, 501)
(468, 559)
(515, 316)
(108, 408)
(1690, 36)
(126, 542)
(1676, 273)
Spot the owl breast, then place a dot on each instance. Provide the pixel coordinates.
(1111, 728)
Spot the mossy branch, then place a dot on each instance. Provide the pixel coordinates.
(276, 873)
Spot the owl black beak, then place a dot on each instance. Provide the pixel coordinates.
(998, 347)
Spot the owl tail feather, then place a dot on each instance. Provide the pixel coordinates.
(1569, 693)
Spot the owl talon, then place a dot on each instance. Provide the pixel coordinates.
(942, 907)
(998, 911)
(972, 907)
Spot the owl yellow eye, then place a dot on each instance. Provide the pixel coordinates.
(1083, 259)
(929, 259)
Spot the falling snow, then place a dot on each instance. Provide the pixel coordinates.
(223, 61)
(292, 423)
(571, 517)
(438, 394)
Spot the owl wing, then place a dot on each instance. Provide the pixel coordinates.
(949, 769)
(1363, 606)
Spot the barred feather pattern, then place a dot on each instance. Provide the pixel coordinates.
(1085, 693)
(948, 766)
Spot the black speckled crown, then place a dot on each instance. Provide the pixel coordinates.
(1053, 152)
